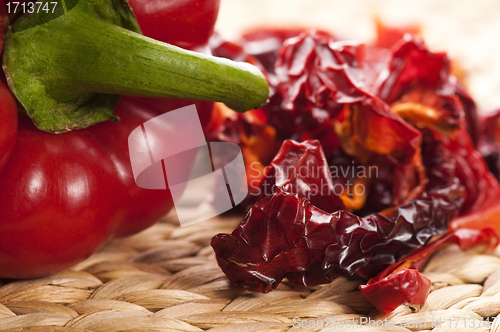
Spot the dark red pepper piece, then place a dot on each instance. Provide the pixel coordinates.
(302, 170)
(400, 283)
(265, 44)
(285, 235)
(403, 286)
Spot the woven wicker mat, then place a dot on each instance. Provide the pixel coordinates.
(166, 279)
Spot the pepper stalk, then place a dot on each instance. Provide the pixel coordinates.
(69, 67)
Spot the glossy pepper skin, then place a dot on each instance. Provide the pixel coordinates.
(8, 107)
(157, 20)
(8, 123)
(185, 23)
(410, 123)
(63, 196)
(47, 224)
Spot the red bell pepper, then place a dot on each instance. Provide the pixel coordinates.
(8, 123)
(62, 196)
(8, 107)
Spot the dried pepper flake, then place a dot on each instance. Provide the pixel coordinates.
(401, 284)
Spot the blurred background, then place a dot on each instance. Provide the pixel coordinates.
(469, 31)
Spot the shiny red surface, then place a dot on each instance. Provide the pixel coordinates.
(63, 196)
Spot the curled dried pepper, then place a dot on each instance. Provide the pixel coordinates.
(400, 111)
(287, 235)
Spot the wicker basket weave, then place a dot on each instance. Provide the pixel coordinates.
(166, 279)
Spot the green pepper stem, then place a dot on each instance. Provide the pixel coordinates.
(59, 70)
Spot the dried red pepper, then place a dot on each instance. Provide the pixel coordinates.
(286, 235)
(403, 286)
(401, 283)
(416, 124)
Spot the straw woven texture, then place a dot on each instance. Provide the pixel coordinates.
(166, 279)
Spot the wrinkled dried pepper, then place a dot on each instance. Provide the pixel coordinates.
(400, 111)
